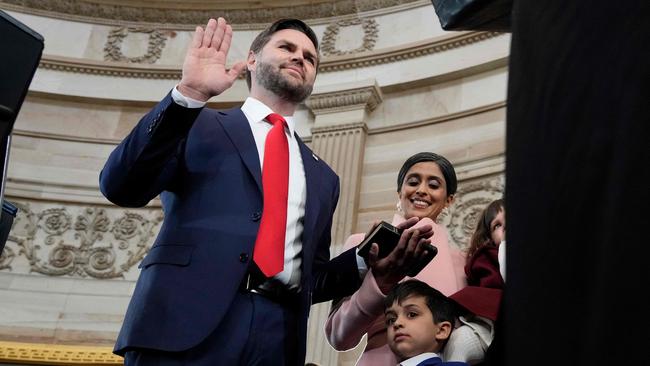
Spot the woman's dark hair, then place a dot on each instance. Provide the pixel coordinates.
(263, 38)
(445, 166)
(481, 236)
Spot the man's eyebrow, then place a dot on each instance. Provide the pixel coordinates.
(389, 312)
(293, 45)
(310, 54)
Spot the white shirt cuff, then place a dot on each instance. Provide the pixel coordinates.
(184, 101)
(361, 264)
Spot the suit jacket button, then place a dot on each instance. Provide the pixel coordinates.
(256, 216)
(243, 257)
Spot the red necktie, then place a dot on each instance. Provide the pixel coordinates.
(269, 246)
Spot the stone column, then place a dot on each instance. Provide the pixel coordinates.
(338, 137)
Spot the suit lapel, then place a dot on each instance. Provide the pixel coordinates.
(312, 181)
(236, 126)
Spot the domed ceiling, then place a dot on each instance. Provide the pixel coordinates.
(194, 12)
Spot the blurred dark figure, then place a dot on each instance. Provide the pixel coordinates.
(578, 147)
(7, 216)
(22, 49)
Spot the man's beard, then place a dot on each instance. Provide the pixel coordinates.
(273, 81)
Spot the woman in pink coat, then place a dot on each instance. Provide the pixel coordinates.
(426, 184)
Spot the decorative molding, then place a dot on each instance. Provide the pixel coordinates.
(155, 44)
(117, 69)
(368, 97)
(330, 64)
(440, 119)
(54, 354)
(370, 31)
(337, 129)
(251, 12)
(60, 137)
(472, 197)
(52, 190)
(80, 241)
(405, 52)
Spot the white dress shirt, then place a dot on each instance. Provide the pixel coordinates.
(256, 112)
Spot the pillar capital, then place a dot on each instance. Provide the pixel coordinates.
(344, 103)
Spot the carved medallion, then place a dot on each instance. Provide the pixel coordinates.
(332, 32)
(471, 198)
(155, 45)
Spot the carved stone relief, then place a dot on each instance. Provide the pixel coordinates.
(6, 257)
(113, 48)
(79, 241)
(75, 9)
(471, 198)
(97, 242)
(367, 97)
(331, 35)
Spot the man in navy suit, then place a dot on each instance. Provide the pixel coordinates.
(202, 298)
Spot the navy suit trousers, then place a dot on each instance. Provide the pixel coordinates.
(255, 331)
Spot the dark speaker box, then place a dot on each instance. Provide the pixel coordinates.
(21, 49)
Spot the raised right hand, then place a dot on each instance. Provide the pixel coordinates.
(204, 68)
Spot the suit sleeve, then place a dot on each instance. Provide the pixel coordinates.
(338, 277)
(352, 316)
(145, 162)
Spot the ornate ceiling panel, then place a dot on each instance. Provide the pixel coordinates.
(195, 12)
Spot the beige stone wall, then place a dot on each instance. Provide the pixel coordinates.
(391, 84)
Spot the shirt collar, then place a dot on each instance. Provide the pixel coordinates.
(257, 112)
(413, 361)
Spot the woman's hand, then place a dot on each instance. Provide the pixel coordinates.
(388, 271)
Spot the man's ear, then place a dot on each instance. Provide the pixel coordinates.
(251, 61)
(444, 331)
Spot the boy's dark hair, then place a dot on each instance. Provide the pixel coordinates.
(445, 165)
(441, 307)
(263, 38)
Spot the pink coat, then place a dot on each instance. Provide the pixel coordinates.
(363, 312)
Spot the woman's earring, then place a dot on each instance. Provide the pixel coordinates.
(398, 206)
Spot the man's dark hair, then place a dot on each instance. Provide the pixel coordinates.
(263, 38)
(441, 307)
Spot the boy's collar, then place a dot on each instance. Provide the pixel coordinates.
(414, 361)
